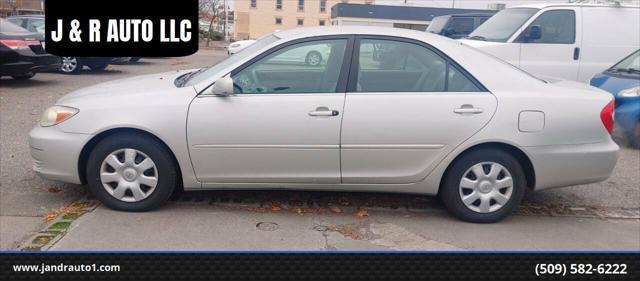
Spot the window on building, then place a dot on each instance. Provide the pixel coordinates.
(278, 4)
(394, 66)
(300, 22)
(321, 23)
(300, 5)
(278, 20)
(323, 6)
(254, 3)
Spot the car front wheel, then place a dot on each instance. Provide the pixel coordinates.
(131, 172)
(483, 186)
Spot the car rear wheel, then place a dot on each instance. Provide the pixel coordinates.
(313, 58)
(131, 172)
(483, 186)
(25, 76)
(71, 65)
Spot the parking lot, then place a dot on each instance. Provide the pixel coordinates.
(602, 216)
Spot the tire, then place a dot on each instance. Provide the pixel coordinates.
(25, 76)
(71, 65)
(452, 192)
(165, 172)
(98, 67)
(134, 59)
(313, 58)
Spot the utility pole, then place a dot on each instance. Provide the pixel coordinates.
(226, 15)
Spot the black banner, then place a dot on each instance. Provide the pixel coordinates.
(320, 266)
(121, 28)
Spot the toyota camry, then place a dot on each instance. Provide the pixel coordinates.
(388, 110)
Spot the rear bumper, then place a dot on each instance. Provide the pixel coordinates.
(56, 153)
(566, 165)
(30, 64)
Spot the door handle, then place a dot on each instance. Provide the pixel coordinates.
(323, 111)
(576, 53)
(468, 109)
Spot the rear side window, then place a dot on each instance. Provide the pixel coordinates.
(558, 27)
(396, 66)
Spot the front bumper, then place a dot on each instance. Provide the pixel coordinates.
(56, 153)
(566, 165)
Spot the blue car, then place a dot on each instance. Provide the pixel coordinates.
(623, 81)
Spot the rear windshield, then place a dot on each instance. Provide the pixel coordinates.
(6, 26)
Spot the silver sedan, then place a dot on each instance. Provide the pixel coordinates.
(388, 110)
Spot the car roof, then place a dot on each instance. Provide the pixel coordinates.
(548, 5)
(304, 32)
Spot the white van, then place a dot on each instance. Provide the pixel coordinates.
(568, 41)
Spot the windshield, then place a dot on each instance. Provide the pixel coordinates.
(630, 63)
(502, 25)
(437, 24)
(207, 72)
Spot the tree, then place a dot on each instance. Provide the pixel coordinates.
(210, 8)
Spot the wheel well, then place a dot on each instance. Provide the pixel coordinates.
(523, 159)
(86, 150)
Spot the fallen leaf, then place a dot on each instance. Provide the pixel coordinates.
(336, 210)
(275, 208)
(54, 189)
(362, 213)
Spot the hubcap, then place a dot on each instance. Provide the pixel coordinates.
(486, 187)
(69, 64)
(314, 59)
(129, 175)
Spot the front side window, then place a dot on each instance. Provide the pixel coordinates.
(394, 66)
(503, 25)
(308, 67)
(558, 27)
(461, 25)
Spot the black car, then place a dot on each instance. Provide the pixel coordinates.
(71, 65)
(457, 26)
(22, 53)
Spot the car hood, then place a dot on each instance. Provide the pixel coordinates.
(123, 88)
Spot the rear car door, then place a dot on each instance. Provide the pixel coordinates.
(282, 124)
(407, 106)
(557, 52)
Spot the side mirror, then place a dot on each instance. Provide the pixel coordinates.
(534, 33)
(222, 87)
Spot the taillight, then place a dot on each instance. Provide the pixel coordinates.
(15, 44)
(607, 115)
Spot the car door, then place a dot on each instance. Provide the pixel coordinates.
(406, 108)
(557, 52)
(282, 124)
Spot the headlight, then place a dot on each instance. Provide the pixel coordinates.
(234, 45)
(631, 92)
(56, 114)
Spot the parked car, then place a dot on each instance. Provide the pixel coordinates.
(623, 81)
(68, 65)
(22, 53)
(568, 41)
(312, 55)
(457, 26)
(437, 123)
(238, 46)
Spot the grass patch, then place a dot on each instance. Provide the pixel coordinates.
(71, 216)
(61, 225)
(42, 239)
(32, 248)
